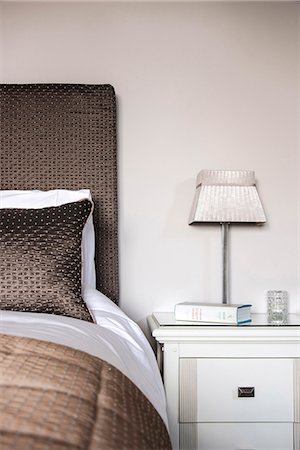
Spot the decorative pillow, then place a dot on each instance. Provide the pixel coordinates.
(40, 259)
(57, 197)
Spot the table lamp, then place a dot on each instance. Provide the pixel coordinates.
(226, 197)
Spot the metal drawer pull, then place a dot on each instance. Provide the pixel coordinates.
(246, 392)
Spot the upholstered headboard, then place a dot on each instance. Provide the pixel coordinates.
(64, 136)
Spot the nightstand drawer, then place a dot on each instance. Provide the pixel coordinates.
(236, 390)
(236, 436)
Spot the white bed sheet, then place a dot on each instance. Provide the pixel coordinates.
(115, 338)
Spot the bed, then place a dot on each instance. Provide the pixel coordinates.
(76, 372)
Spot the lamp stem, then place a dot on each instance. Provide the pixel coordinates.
(225, 267)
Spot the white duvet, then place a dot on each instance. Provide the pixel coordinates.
(114, 337)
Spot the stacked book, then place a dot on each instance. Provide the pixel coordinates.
(213, 313)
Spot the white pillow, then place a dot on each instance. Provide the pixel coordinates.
(42, 199)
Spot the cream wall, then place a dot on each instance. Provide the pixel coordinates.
(199, 85)
(1, 43)
(298, 133)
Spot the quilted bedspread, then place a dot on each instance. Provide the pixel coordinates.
(54, 397)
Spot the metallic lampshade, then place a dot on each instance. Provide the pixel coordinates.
(226, 196)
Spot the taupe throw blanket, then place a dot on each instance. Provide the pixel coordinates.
(53, 397)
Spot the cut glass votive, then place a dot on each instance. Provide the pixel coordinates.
(277, 307)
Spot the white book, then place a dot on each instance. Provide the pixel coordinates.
(213, 312)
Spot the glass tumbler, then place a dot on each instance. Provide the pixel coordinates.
(277, 307)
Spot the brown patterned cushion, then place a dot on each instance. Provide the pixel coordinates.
(40, 259)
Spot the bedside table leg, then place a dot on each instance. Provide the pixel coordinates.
(171, 378)
(296, 436)
(159, 356)
(297, 404)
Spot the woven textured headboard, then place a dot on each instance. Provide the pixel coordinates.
(64, 136)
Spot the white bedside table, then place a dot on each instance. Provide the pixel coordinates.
(231, 387)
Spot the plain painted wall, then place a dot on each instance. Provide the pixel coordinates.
(199, 85)
(1, 42)
(298, 130)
